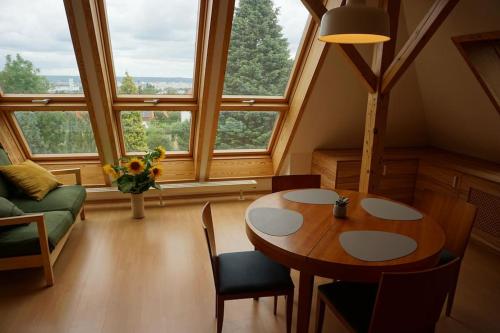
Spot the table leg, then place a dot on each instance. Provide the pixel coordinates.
(306, 285)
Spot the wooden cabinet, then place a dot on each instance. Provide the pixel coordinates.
(408, 173)
(341, 169)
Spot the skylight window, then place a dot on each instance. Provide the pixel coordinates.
(265, 42)
(153, 45)
(36, 51)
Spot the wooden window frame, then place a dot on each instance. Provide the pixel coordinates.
(281, 108)
(138, 107)
(108, 54)
(11, 118)
(478, 37)
(305, 41)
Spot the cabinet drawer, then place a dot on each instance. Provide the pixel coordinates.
(399, 167)
(348, 175)
(443, 177)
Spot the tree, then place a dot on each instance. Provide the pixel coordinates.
(133, 129)
(148, 89)
(128, 86)
(21, 77)
(244, 130)
(259, 61)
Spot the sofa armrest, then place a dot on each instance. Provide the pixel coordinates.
(75, 171)
(42, 238)
(23, 219)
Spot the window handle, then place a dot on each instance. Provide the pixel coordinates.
(43, 101)
(249, 101)
(154, 101)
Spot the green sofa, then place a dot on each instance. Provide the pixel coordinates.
(36, 238)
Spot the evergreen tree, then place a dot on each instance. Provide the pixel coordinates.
(244, 130)
(128, 86)
(21, 77)
(258, 62)
(133, 130)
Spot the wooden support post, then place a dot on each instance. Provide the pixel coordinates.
(378, 105)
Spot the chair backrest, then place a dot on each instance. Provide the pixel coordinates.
(283, 183)
(411, 302)
(455, 216)
(208, 228)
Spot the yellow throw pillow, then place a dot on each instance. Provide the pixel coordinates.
(34, 180)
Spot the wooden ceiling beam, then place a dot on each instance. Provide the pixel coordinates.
(417, 41)
(358, 63)
(315, 8)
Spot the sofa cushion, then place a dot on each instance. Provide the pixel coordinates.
(23, 240)
(4, 188)
(8, 209)
(33, 179)
(69, 198)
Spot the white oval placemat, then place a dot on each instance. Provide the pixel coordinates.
(390, 210)
(376, 245)
(312, 196)
(275, 221)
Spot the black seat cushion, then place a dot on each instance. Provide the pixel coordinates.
(445, 257)
(353, 301)
(251, 271)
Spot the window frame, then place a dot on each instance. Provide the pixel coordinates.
(281, 108)
(16, 127)
(171, 155)
(305, 41)
(111, 74)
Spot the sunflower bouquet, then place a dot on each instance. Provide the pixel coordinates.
(137, 174)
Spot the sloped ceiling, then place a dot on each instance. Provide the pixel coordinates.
(458, 113)
(437, 102)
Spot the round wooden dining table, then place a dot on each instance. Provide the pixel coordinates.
(315, 249)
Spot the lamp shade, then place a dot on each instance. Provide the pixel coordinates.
(355, 23)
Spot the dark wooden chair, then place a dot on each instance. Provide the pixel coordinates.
(283, 183)
(456, 217)
(409, 302)
(248, 274)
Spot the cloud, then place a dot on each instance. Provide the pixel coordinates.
(148, 37)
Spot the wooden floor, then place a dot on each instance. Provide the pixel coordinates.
(120, 275)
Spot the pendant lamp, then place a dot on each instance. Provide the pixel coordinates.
(355, 23)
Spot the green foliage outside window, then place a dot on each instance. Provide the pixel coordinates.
(21, 77)
(143, 130)
(245, 130)
(259, 60)
(54, 132)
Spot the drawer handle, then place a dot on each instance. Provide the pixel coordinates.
(384, 170)
(455, 181)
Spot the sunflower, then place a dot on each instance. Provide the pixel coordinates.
(156, 171)
(135, 166)
(108, 169)
(162, 152)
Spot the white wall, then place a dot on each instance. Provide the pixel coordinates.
(458, 113)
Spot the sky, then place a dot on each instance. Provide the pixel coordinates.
(148, 37)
